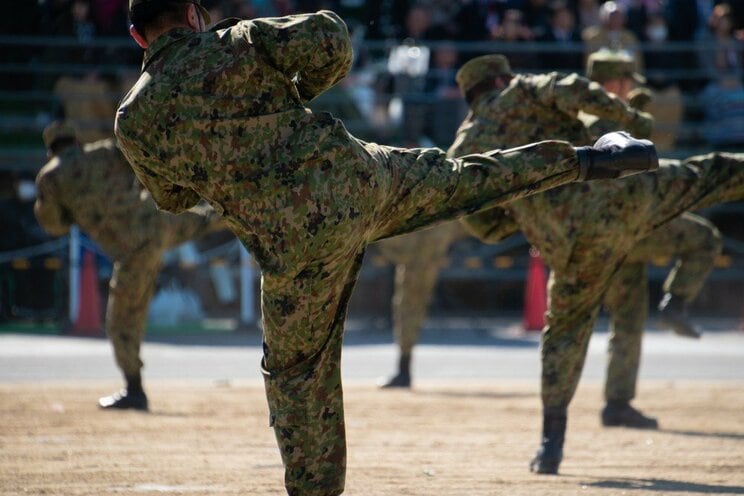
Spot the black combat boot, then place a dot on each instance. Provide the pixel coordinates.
(550, 453)
(403, 378)
(133, 396)
(619, 413)
(673, 315)
(616, 155)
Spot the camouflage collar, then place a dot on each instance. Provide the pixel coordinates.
(163, 41)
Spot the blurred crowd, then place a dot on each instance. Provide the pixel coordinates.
(400, 89)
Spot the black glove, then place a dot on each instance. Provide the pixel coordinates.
(616, 155)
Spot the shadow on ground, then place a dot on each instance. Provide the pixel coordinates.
(665, 486)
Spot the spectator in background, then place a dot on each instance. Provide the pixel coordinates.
(86, 99)
(419, 25)
(442, 12)
(562, 33)
(513, 30)
(611, 33)
(587, 13)
(446, 109)
(723, 103)
(636, 15)
(470, 21)
(658, 62)
(684, 22)
(723, 97)
(537, 14)
(720, 56)
(111, 17)
(385, 18)
(667, 105)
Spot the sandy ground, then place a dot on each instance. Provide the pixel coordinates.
(457, 438)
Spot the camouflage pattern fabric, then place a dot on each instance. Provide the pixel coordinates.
(585, 231)
(95, 188)
(695, 243)
(689, 238)
(422, 254)
(220, 115)
(418, 258)
(535, 107)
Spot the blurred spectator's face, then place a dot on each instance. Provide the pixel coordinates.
(616, 21)
(445, 57)
(564, 20)
(80, 11)
(723, 27)
(511, 27)
(418, 21)
(620, 87)
(587, 4)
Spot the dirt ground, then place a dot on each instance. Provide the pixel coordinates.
(441, 439)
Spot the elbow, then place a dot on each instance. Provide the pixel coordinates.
(337, 34)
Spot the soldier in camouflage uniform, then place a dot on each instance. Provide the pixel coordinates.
(584, 231)
(418, 258)
(689, 238)
(221, 115)
(553, 115)
(94, 187)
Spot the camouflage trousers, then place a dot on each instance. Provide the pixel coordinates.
(133, 281)
(694, 243)
(418, 258)
(303, 311)
(576, 289)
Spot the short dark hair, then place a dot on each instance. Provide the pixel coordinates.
(60, 144)
(148, 16)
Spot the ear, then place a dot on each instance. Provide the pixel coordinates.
(141, 41)
(194, 18)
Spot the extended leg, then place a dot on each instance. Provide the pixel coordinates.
(695, 243)
(425, 187)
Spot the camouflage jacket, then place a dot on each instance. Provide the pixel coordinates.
(598, 126)
(535, 108)
(221, 115)
(545, 106)
(95, 187)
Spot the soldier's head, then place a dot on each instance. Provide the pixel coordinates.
(614, 70)
(151, 18)
(483, 74)
(58, 136)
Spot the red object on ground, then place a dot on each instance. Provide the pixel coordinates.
(535, 293)
(88, 322)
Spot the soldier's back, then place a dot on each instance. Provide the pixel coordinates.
(99, 188)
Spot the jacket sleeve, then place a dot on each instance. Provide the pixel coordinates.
(167, 195)
(490, 226)
(313, 49)
(573, 93)
(51, 215)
